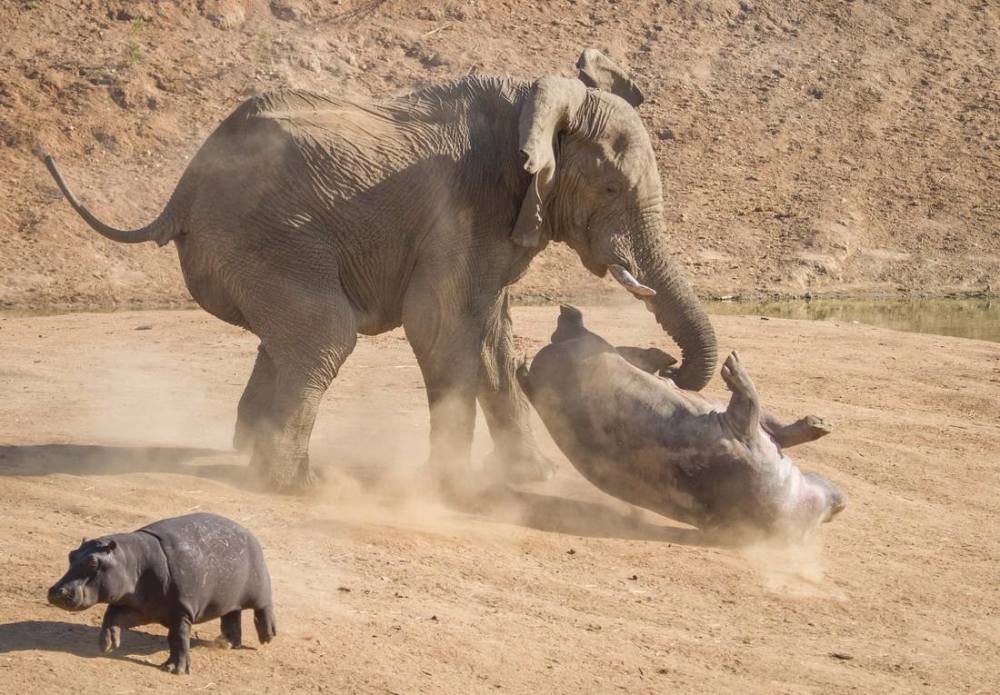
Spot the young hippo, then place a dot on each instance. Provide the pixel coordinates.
(175, 572)
(642, 439)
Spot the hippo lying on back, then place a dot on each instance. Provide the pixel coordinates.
(642, 439)
(175, 572)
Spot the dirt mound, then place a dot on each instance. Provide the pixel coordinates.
(838, 147)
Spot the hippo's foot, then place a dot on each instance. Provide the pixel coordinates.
(807, 429)
(232, 632)
(179, 665)
(531, 466)
(815, 425)
(263, 620)
(110, 638)
(736, 376)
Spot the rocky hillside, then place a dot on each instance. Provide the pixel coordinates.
(846, 147)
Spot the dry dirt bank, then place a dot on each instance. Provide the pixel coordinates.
(110, 421)
(805, 147)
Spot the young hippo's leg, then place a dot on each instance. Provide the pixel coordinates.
(263, 620)
(515, 457)
(232, 630)
(116, 618)
(179, 639)
(743, 412)
(256, 401)
(807, 429)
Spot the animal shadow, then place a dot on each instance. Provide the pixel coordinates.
(82, 641)
(78, 640)
(573, 517)
(88, 459)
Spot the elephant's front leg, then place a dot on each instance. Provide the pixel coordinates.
(447, 350)
(515, 457)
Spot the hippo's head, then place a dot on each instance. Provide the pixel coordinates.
(93, 575)
(817, 503)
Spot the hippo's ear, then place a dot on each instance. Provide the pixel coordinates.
(107, 546)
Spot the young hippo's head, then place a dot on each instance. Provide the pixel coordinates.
(95, 575)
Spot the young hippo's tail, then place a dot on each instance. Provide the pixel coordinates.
(161, 230)
(569, 325)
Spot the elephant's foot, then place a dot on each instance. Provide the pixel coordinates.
(304, 481)
(286, 478)
(525, 464)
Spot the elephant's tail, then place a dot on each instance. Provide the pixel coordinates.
(161, 230)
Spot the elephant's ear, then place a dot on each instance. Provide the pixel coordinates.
(549, 109)
(600, 72)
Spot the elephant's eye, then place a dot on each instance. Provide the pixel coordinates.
(612, 190)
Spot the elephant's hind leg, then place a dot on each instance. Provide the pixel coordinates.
(515, 457)
(256, 401)
(307, 338)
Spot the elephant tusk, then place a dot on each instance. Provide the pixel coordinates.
(628, 281)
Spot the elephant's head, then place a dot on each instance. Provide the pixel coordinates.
(595, 186)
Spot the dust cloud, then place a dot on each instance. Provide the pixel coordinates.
(791, 567)
(372, 452)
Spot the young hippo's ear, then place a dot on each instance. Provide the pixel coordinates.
(600, 72)
(548, 110)
(107, 546)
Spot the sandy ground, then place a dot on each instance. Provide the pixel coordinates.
(110, 421)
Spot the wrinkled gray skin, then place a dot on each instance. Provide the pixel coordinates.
(310, 219)
(644, 440)
(176, 572)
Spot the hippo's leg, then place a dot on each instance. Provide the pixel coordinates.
(806, 429)
(116, 618)
(743, 413)
(652, 360)
(232, 630)
(263, 620)
(179, 639)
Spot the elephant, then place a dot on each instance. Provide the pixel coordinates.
(310, 219)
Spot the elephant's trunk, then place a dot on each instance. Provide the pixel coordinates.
(679, 312)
